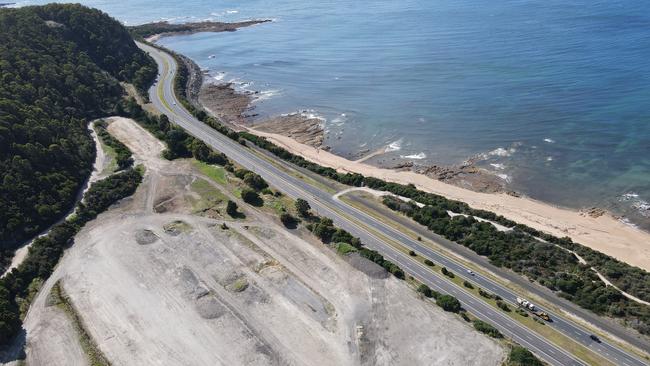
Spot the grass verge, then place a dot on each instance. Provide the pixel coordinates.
(63, 302)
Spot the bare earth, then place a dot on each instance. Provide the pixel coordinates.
(603, 233)
(175, 288)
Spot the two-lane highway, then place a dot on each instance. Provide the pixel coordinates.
(370, 230)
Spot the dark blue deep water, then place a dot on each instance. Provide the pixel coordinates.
(555, 95)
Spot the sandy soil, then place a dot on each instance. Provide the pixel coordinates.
(604, 233)
(178, 289)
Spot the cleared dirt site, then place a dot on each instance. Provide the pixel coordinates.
(159, 280)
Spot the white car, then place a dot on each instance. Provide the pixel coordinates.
(470, 272)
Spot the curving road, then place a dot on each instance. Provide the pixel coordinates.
(365, 227)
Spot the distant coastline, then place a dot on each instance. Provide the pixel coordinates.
(6, 4)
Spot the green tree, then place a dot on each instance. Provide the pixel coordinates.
(231, 209)
(448, 303)
(255, 181)
(303, 207)
(520, 356)
(251, 197)
(287, 219)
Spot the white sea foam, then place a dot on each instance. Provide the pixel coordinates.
(629, 196)
(549, 158)
(502, 152)
(550, 141)
(219, 76)
(394, 146)
(312, 114)
(266, 94)
(642, 206)
(418, 156)
(339, 120)
(627, 222)
(505, 177)
(498, 166)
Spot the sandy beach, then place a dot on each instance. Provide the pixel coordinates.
(604, 233)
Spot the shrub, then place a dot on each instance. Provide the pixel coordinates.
(412, 253)
(302, 206)
(425, 290)
(487, 328)
(520, 356)
(447, 272)
(255, 181)
(463, 314)
(467, 284)
(429, 263)
(522, 313)
(503, 306)
(231, 208)
(251, 197)
(345, 248)
(485, 294)
(288, 220)
(448, 303)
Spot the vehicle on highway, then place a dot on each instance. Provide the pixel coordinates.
(470, 272)
(531, 307)
(594, 338)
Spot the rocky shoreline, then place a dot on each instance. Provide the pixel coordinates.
(236, 109)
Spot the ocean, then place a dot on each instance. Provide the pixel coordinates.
(553, 96)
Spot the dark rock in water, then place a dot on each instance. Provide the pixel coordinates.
(303, 129)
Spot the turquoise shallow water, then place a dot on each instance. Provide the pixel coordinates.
(554, 95)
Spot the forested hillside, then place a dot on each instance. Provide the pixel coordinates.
(60, 66)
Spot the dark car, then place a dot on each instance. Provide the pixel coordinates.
(594, 338)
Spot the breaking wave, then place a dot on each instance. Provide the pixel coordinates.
(394, 146)
(417, 156)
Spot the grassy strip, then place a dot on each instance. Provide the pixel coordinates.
(217, 174)
(63, 301)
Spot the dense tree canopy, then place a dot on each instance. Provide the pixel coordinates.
(60, 66)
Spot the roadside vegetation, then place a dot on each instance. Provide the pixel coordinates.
(90, 348)
(546, 263)
(61, 67)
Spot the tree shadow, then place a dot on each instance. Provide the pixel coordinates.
(15, 351)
